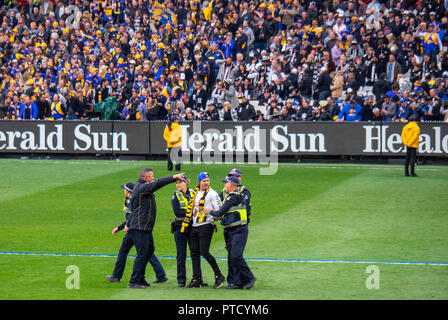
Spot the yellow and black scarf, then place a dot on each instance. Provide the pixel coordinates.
(189, 212)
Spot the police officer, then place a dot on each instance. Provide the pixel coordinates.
(179, 203)
(234, 219)
(242, 189)
(127, 244)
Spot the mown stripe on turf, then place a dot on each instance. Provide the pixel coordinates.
(225, 259)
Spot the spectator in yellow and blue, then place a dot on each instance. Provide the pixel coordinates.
(14, 68)
(352, 111)
(353, 28)
(203, 69)
(240, 42)
(160, 50)
(13, 110)
(157, 69)
(423, 106)
(212, 55)
(228, 46)
(403, 111)
(28, 109)
(218, 39)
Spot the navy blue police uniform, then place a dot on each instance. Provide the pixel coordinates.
(235, 223)
(179, 203)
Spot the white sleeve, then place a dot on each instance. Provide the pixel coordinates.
(213, 201)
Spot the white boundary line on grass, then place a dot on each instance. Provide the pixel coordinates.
(445, 264)
(297, 165)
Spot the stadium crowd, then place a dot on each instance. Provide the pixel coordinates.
(297, 60)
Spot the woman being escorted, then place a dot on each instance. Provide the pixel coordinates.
(200, 226)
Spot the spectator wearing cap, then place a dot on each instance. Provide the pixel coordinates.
(304, 112)
(211, 114)
(389, 107)
(234, 219)
(179, 202)
(173, 137)
(432, 44)
(354, 51)
(142, 108)
(200, 226)
(410, 135)
(198, 97)
(127, 244)
(351, 112)
(75, 109)
(402, 111)
(246, 111)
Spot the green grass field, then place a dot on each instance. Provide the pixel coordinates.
(314, 231)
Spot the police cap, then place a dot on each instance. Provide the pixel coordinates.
(235, 172)
(232, 179)
(128, 186)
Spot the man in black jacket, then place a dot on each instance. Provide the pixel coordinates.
(127, 245)
(141, 221)
(246, 111)
(323, 84)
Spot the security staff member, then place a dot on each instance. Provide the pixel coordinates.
(127, 245)
(141, 221)
(201, 230)
(173, 137)
(242, 189)
(179, 203)
(410, 136)
(234, 220)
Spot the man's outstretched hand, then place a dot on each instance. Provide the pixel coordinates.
(178, 176)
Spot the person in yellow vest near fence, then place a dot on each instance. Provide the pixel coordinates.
(173, 137)
(410, 136)
(234, 219)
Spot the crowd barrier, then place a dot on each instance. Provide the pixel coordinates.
(219, 138)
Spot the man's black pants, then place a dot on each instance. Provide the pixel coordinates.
(144, 244)
(200, 239)
(411, 159)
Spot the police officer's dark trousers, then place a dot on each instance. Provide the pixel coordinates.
(239, 272)
(181, 240)
(126, 246)
(144, 244)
